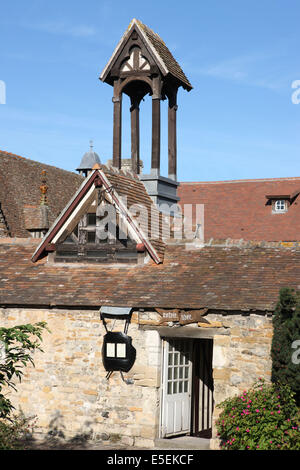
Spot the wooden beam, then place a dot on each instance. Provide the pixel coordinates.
(172, 142)
(155, 157)
(117, 125)
(135, 136)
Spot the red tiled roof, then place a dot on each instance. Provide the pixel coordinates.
(20, 180)
(214, 277)
(240, 209)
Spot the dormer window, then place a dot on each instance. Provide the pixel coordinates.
(97, 226)
(280, 205)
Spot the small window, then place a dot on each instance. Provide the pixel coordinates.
(116, 350)
(280, 205)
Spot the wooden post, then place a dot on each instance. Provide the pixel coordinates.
(172, 138)
(155, 159)
(135, 135)
(117, 129)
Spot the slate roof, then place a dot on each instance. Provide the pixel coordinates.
(20, 180)
(240, 209)
(214, 277)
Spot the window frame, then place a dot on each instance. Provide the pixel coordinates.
(280, 210)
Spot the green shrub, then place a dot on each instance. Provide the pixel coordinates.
(15, 431)
(263, 418)
(286, 323)
(18, 345)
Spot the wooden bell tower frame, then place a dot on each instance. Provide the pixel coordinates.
(142, 64)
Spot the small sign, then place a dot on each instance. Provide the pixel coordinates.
(169, 316)
(184, 317)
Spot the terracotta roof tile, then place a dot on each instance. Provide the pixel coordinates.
(239, 209)
(215, 277)
(19, 186)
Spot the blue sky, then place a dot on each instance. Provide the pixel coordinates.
(241, 57)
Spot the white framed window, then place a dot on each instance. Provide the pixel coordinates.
(280, 205)
(116, 350)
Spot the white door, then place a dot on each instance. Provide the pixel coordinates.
(176, 382)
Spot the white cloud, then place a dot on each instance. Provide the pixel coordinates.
(62, 28)
(260, 70)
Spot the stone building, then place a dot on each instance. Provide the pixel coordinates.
(151, 324)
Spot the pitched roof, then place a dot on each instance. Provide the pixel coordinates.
(116, 184)
(240, 209)
(214, 277)
(164, 58)
(20, 180)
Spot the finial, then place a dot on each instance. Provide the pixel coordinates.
(43, 189)
(91, 145)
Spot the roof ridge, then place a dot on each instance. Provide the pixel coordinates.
(254, 180)
(144, 26)
(13, 155)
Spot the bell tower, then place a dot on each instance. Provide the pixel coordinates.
(142, 64)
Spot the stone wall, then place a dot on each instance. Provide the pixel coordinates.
(240, 357)
(68, 390)
(71, 397)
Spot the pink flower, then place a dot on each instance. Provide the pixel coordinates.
(271, 442)
(237, 428)
(247, 430)
(257, 411)
(278, 411)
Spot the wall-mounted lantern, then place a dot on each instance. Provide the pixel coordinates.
(118, 354)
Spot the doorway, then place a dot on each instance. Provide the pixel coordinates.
(187, 387)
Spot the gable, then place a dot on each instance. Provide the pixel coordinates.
(98, 198)
(153, 55)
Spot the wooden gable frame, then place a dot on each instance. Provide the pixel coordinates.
(79, 203)
(134, 25)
